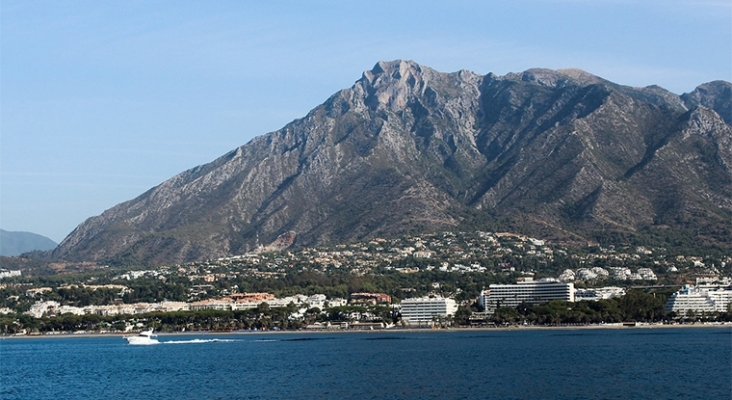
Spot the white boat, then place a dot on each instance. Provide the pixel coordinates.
(145, 337)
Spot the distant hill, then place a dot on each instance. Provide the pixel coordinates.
(16, 243)
(553, 154)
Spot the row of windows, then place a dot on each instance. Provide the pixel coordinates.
(513, 295)
(424, 306)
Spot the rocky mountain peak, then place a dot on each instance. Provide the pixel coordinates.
(385, 72)
(581, 76)
(556, 154)
(400, 85)
(555, 79)
(716, 95)
(392, 83)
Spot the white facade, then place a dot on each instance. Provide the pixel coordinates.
(43, 307)
(526, 290)
(595, 294)
(567, 276)
(317, 300)
(4, 273)
(699, 300)
(52, 308)
(423, 311)
(647, 274)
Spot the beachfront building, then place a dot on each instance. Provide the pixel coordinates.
(525, 290)
(426, 311)
(698, 300)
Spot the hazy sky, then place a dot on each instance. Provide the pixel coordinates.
(102, 100)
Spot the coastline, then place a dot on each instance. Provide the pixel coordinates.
(515, 328)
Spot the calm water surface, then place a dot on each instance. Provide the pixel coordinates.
(533, 364)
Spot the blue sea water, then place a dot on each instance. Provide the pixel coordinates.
(463, 364)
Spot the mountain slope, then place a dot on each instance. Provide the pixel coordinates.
(16, 243)
(408, 149)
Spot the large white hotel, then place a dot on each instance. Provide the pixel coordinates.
(425, 311)
(699, 299)
(526, 290)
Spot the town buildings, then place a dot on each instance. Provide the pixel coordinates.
(248, 301)
(370, 298)
(595, 294)
(52, 308)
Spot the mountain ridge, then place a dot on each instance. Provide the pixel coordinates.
(16, 243)
(410, 149)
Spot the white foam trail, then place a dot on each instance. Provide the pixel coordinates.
(193, 341)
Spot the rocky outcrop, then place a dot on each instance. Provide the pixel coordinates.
(408, 149)
(716, 95)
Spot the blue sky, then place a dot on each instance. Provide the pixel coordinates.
(102, 100)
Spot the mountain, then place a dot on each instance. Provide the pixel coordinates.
(17, 243)
(555, 154)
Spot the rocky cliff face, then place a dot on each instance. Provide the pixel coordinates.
(408, 149)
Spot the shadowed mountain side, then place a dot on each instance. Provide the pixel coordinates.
(16, 243)
(407, 149)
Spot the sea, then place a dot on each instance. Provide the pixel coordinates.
(628, 363)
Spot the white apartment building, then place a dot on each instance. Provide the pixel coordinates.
(423, 311)
(4, 273)
(526, 290)
(595, 294)
(699, 300)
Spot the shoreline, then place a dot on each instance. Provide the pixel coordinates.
(349, 331)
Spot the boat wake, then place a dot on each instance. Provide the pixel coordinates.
(196, 341)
